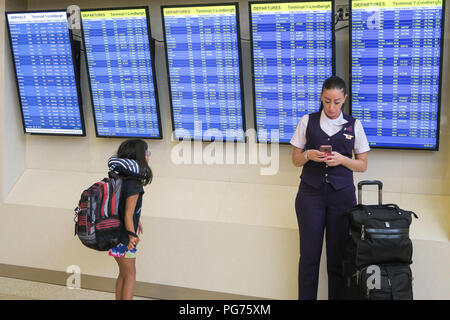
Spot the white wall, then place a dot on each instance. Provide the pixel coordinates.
(14, 139)
(215, 227)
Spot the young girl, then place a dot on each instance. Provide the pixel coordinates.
(132, 164)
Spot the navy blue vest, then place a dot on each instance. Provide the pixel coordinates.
(316, 174)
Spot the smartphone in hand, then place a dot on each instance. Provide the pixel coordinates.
(327, 149)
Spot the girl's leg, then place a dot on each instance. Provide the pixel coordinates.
(127, 274)
(119, 281)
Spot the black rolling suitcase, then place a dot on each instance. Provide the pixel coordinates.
(379, 251)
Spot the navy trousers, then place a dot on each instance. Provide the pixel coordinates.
(319, 210)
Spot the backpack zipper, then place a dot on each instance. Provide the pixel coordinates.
(356, 275)
(387, 233)
(363, 233)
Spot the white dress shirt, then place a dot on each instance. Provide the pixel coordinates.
(330, 127)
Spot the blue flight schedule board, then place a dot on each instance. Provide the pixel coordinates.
(121, 73)
(203, 56)
(396, 62)
(44, 66)
(292, 54)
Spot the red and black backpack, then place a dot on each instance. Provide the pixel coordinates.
(97, 220)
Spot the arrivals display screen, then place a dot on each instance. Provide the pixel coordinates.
(292, 54)
(203, 55)
(121, 72)
(44, 66)
(396, 59)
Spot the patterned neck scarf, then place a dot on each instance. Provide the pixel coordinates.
(124, 166)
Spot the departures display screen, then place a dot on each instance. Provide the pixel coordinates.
(121, 72)
(292, 54)
(396, 58)
(203, 56)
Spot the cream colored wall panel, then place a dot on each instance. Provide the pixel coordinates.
(169, 198)
(98, 153)
(36, 246)
(428, 172)
(262, 205)
(184, 199)
(48, 241)
(239, 259)
(53, 189)
(370, 196)
(57, 153)
(15, 5)
(429, 178)
(90, 154)
(216, 201)
(229, 164)
(430, 266)
(434, 216)
(384, 165)
(232, 258)
(222, 257)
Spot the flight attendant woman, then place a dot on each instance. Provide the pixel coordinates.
(326, 190)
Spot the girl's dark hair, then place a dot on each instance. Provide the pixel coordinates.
(135, 149)
(333, 82)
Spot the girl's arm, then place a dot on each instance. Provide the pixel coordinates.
(140, 228)
(130, 206)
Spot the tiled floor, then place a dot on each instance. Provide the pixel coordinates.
(8, 297)
(15, 289)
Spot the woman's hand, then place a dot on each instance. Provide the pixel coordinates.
(335, 159)
(140, 229)
(316, 155)
(132, 243)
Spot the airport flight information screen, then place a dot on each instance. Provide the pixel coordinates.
(203, 55)
(121, 72)
(292, 49)
(395, 71)
(45, 73)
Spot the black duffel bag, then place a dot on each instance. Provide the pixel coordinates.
(379, 234)
(393, 282)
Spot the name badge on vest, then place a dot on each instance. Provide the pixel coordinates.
(348, 136)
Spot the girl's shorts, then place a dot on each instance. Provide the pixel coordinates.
(121, 251)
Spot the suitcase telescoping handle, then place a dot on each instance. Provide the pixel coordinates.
(371, 182)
